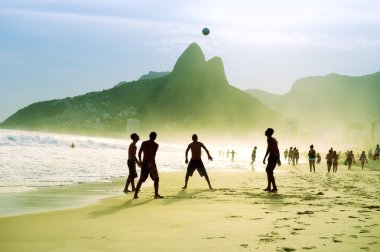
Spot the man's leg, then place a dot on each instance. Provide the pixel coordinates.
(137, 188)
(186, 180)
(127, 184)
(269, 181)
(274, 187)
(208, 181)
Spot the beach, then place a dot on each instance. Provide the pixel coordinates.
(310, 212)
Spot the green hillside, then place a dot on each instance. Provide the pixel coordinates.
(195, 96)
(328, 100)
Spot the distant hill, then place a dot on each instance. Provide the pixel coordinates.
(153, 75)
(328, 100)
(194, 97)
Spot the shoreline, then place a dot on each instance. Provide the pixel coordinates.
(318, 212)
(55, 198)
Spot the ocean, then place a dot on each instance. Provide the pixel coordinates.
(31, 160)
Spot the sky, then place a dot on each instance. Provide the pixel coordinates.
(52, 49)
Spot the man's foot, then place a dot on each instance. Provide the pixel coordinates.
(184, 187)
(211, 188)
(135, 196)
(274, 190)
(266, 189)
(126, 191)
(157, 196)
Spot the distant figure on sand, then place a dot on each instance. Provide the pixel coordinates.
(196, 161)
(286, 154)
(335, 161)
(370, 154)
(132, 161)
(318, 158)
(363, 159)
(296, 155)
(350, 159)
(290, 157)
(253, 155)
(329, 158)
(148, 165)
(312, 158)
(273, 160)
(377, 153)
(233, 155)
(72, 145)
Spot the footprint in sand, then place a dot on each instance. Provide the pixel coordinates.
(244, 245)
(288, 249)
(308, 248)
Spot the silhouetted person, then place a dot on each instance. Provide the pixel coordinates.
(253, 155)
(377, 153)
(233, 155)
(148, 165)
(274, 158)
(350, 159)
(72, 145)
(286, 154)
(319, 158)
(290, 157)
(370, 154)
(312, 158)
(329, 158)
(363, 159)
(335, 161)
(296, 154)
(196, 161)
(132, 161)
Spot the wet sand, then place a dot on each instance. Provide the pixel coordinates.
(311, 212)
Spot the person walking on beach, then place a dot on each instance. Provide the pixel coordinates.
(312, 157)
(329, 158)
(377, 153)
(132, 161)
(318, 158)
(148, 165)
(253, 155)
(296, 155)
(233, 152)
(335, 161)
(370, 154)
(273, 160)
(196, 161)
(286, 154)
(290, 157)
(363, 159)
(350, 159)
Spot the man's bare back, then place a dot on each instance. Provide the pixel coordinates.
(149, 148)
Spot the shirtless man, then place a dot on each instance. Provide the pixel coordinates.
(148, 165)
(132, 161)
(273, 160)
(253, 155)
(196, 161)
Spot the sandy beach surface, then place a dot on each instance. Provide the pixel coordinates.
(311, 212)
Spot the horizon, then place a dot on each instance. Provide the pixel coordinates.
(57, 49)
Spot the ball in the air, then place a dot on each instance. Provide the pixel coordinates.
(205, 31)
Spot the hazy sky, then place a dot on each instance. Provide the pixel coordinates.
(57, 48)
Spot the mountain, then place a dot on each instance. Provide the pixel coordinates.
(153, 75)
(328, 100)
(194, 97)
(333, 110)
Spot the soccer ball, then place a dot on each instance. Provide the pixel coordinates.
(205, 31)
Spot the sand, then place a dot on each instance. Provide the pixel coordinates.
(311, 212)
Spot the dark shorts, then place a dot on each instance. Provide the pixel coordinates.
(132, 168)
(149, 168)
(196, 164)
(272, 162)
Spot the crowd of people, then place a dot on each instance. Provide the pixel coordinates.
(149, 149)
